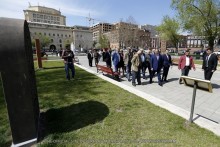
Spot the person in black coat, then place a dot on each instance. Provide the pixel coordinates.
(90, 57)
(108, 58)
(167, 62)
(210, 63)
(157, 65)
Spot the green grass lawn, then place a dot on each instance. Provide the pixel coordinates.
(89, 111)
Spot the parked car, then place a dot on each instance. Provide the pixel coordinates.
(217, 53)
(43, 53)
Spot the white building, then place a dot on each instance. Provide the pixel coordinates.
(49, 22)
(82, 38)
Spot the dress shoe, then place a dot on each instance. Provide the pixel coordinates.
(180, 81)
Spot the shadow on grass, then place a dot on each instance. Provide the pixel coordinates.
(73, 117)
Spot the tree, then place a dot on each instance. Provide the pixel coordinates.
(201, 17)
(68, 41)
(103, 41)
(44, 40)
(127, 32)
(168, 30)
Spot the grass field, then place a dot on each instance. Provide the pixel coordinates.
(89, 111)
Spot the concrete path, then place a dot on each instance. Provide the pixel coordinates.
(175, 97)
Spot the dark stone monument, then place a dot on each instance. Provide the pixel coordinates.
(18, 78)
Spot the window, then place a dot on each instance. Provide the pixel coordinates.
(58, 35)
(69, 35)
(52, 40)
(45, 34)
(60, 41)
(53, 34)
(49, 34)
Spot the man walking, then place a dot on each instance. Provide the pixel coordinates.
(107, 57)
(127, 61)
(157, 64)
(135, 67)
(115, 60)
(90, 57)
(209, 65)
(167, 62)
(185, 64)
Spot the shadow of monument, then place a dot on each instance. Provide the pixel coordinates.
(70, 118)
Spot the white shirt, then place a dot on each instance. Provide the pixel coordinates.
(142, 58)
(187, 61)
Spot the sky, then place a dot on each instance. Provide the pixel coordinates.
(109, 11)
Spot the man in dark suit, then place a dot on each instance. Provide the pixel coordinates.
(167, 62)
(157, 64)
(90, 57)
(209, 65)
(108, 58)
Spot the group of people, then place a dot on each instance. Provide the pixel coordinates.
(209, 65)
(154, 61)
(135, 62)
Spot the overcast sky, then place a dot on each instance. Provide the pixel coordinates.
(111, 11)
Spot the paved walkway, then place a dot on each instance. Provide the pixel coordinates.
(175, 97)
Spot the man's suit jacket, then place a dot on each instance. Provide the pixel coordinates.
(156, 64)
(212, 62)
(167, 60)
(182, 62)
(90, 57)
(107, 57)
(115, 58)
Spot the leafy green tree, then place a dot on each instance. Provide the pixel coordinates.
(68, 41)
(168, 30)
(44, 40)
(103, 41)
(201, 17)
(94, 43)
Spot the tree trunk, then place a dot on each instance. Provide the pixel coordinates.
(211, 43)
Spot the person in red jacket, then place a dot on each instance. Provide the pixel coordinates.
(185, 64)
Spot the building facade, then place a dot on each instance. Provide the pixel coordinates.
(50, 23)
(125, 35)
(82, 38)
(46, 15)
(99, 29)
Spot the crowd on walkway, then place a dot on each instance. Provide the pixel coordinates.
(134, 63)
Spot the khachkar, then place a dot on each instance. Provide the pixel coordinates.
(163, 45)
(18, 78)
